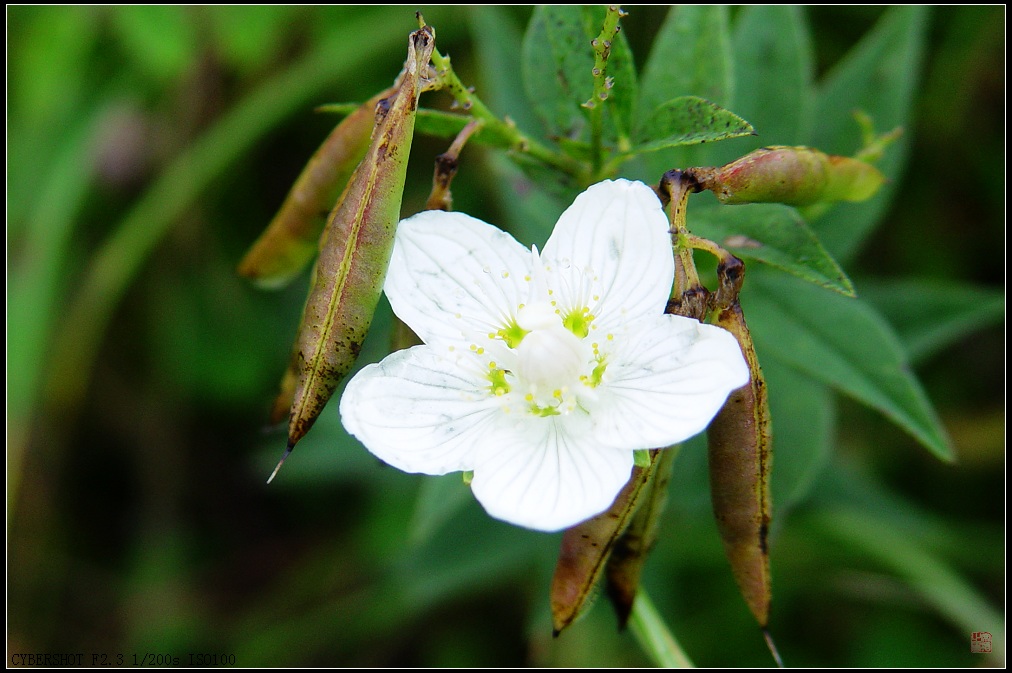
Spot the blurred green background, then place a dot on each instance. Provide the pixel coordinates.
(149, 146)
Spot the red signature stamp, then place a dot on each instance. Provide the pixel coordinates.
(980, 642)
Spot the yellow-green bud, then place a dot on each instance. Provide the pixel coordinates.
(796, 176)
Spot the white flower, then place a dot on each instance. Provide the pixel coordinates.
(541, 373)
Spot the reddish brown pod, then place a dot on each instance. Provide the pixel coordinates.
(740, 456)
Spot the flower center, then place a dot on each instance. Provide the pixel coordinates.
(550, 360)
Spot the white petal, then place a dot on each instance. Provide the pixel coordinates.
(420, 410)
(613, 243)
(666, 379)
(548, 478)
(452, 276)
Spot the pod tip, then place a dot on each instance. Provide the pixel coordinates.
(284, 457)
(773, 648)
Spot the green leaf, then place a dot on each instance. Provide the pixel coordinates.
(49, 89)
(559, 186)
(772, 234)
(689, 120)
(529, 210)
(439, 498)
(558, 64)
(931, 315)
(557, 61)
(879, 76)
(497, 40)
(161, 39)
(248, 37)
(122, 255)
(38, 277)
(773, 67)
(939, 585)
(842, 342)
(803, 420)
(691, 56)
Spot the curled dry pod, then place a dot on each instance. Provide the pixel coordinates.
(629, 555)
(796, 176)
(739, 442)
(586, 547)
(293, 236)
(355, 250)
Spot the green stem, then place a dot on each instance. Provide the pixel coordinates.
(654, 636)
(519, 142)
(686, 277)
(602, 83)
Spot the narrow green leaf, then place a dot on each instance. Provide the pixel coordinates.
(938, 584)
(439, 498)
(842, 342)
(854, 482)
(247, 36)
(773, 67)
(772, 234)
(803, 419)
(557, 68)
(121, 257)
(161, 39)
(497, 39)
(689, 120)
(879, 76)
(691, 56)
(49, 86)
(38, 278)
(931, 315)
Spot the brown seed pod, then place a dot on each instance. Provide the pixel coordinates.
(355, 250)
(740, 456)
(586, 547)
(292, 237)
(629, 555)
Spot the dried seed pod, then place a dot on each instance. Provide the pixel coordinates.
(440, 198)
(292, 237)
(740, 455)
(629, 555)
(282, 405)
(689, 299)
(797, 176)
(355, 250)
(586, 547)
